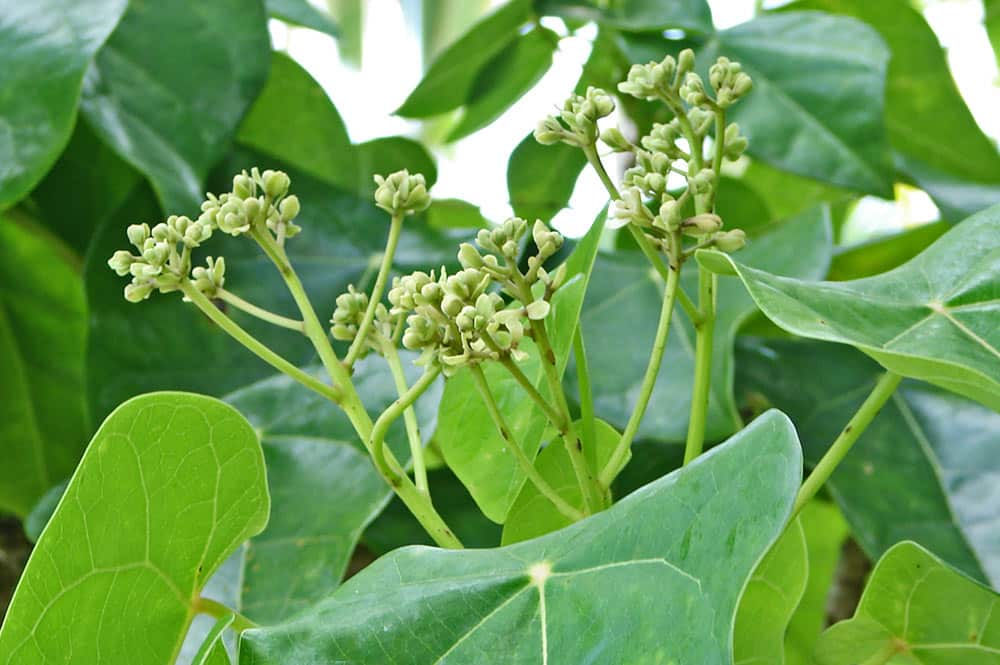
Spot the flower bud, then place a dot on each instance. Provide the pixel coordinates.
(630, 208)
(670, 215)
(138, 291)
(275, 183)
(693, 90)
(537, 310)
(289, 208)
(685, 63)
(702, 224)
(243, 186)
(401, 193)
(615, 140)
(120, 262)
(549, 131)
(730, 241)
(469, 257)
(138, 234)
(251, 208)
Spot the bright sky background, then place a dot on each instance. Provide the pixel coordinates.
(391, 69)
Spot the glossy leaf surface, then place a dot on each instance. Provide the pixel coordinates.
(541, 178)
(638, 15)
(172, 110)
(924, 470)
(303, 13)
(596, 591)
(46, 47)
(933, 318)
(916, 610)
(43, 414)
(171, 484)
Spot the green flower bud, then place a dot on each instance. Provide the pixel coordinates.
(121, 261)
(289, 208)
(663, 139)
(138, 234)
(702, 182)
(685, 63)
(243, 186)
(401, 193)
(693, 90)
(730, 241)
(549, 131)
(156, 254)
(615, 140)
(736, 143)
(210, 279)
(548, 241)
(702, 224)
(469, 257)
(138, 291)
(275, 183)
(537, 310)
(670, 215)
(252, 208)
(630, 208)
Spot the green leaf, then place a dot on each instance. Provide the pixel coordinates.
(342, 236)
(504, 80)
(455, 214)
(924, 468)
(171, 111)
(349, 16)
(213, 649)
(817, 104)
(45, 48)
(171, 484)
(991, 9)
(294, 121)
(622, 307)
(389, 154)
(541, 178)
(43, 412)
(786, 194)
(302, 13)
(451, 77)
(920, 91)
(635, 15)
(532, 514)
(770, 599)
(825, 532)
(933, 318)
(469, 440)
(648, 579)
(323, 485)
(884, 252)
(918, 608)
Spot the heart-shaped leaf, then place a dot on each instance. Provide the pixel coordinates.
(623, 303)
(468, 438)
(924, 469)
(171, 484)
(170, 105)
(770, 599)
(43, 411)
(541, 178)
(655, 576)
(933, 318)
(45, 48)
(919, 609)
(818, 98)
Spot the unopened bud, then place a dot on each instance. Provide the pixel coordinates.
(276, 183)
(615, 140)
(730, 241)
(289, 208)
(702, 224)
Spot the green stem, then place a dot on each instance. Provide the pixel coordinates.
(880, 394)
(522, 459)
(684, 300)
(720, 140)
(358, 345)
(618, 456)
(217, 610)
(254, 345)
(260, 312)
(530, 389)
(704, 333)
(391, 355)
(586, 391)
(389, 416)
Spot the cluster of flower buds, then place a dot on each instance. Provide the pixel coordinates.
(402, 194)
(256, 198)
(576, 123)
(163, 257)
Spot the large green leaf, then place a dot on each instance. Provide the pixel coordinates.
(468, 438)
(324, 487)
(991, 9)
(924, 468)
(45, 48)
(342, 236)
(655, 578)
(171, 85)
(532, 514)
(622, 309)
(541, 178)
(43, 414)
(293, 120)
(933, 318)
(171, 484)
(916, 610)
(884, 252)
(637, 15)
(770, 599)
(505, 78)
(388, 154)
(919, 92)
(817, 104)
(451, 77)
(303, 13)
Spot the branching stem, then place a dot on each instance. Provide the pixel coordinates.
(358, 345)
(391, 355)
(217, 610)
(260, 312)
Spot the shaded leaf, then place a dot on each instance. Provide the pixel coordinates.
(817, 104)
(541, 178)
(43, 413)
(505, 79)
(916, 607)
(418, 605)
(46, 47)
(884, 252)
(923, 470)
(451, 77)
(636, 15)
(303, 13)
(171, 111)
(455, 214)
(933, 318)
(171, 484)
(389, 154)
